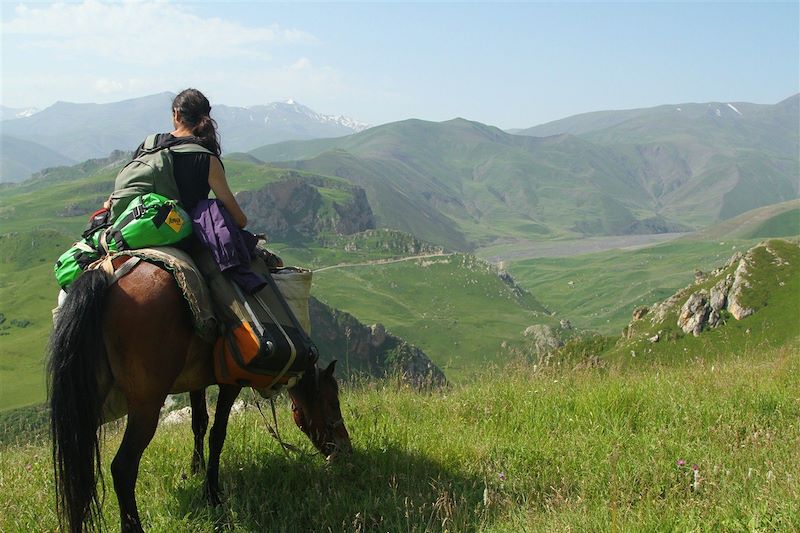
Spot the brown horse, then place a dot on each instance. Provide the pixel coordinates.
(134, 340)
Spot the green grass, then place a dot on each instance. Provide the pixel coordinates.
(774, 293)
(599, 291)
(455, 308)
(552, 449)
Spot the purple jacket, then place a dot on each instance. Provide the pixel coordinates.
(230, 246)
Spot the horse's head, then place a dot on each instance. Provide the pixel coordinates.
(315, 408)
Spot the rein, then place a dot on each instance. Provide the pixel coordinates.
(285, 446)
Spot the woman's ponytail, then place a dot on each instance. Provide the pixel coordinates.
(195, 113)
(206, 130)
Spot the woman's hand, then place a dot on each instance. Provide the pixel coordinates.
(219, 184)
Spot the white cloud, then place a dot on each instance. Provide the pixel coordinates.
(144, 33)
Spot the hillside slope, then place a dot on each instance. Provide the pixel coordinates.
(752, 300)
(19, 159)
(473, 184)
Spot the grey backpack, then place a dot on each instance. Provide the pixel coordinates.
(150, 171)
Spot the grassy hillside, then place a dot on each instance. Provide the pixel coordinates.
(456, 308)
(646, 171)
(598, 291)
(695, 445)
(40, 219)
(770, 287)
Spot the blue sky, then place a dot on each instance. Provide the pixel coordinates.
(510, 64)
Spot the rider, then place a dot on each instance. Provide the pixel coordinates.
(197, 173)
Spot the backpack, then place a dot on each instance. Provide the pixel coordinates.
(151, 171)
(149, 220)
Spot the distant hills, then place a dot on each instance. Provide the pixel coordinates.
(20, 159)
(77, 132)
(666, 169)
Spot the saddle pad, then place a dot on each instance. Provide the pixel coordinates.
(188, 277)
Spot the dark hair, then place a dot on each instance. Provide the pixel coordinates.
(195, 113)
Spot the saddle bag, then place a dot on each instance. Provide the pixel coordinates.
(74, 261)
(149, 220)
(266, 341)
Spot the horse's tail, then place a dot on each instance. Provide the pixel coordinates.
(77, 352)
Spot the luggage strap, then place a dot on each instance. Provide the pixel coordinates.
(108, 267)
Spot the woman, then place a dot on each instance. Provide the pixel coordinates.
(196, 173)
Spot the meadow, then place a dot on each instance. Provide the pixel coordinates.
(700, 443)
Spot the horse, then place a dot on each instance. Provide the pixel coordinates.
(135, 337)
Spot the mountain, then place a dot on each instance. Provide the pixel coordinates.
(716, 159)
(246, 128)
(84, 131)
(19, 159)
(470, 184)
(8, 113)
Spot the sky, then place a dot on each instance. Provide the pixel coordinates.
(511, 65)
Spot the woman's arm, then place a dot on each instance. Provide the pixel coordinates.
(218, 183)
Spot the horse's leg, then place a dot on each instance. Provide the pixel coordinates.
(199, 426)
(227, 395)
(148, 332)
(142, 422)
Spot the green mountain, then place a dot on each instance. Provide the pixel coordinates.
(700, 162)
(471, 185)
(19, 159)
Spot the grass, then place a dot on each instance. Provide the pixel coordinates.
(455, 308)
(520, 448)
(599, 291)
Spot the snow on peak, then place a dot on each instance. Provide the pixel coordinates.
(737, 111)
(27, 112)
(290, 101)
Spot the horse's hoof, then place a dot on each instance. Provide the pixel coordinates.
(212, 495)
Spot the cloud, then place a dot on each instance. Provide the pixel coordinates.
(144, 33)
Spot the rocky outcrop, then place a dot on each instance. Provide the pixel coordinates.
(694, 313)
(543, 338)
(712, 297)
(293, 210)
(740, 283)
(369, 350)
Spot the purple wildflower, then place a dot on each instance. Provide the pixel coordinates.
(502, 476)
(681, 462)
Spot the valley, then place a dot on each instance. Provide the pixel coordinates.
(457, 237)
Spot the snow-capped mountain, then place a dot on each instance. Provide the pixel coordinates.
(246, 128)
(8, 113)
(84, 131)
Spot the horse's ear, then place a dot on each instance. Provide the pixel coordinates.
(330, 369)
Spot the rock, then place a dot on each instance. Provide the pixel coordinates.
(177, 417)
(654, 338)
(369, 349)
(566, 324)
(694, 313)
(377, 334)
(545, 341)
(640, 312)
(739, 284)
(699, 276)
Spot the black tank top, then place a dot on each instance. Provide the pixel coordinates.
(191, 169)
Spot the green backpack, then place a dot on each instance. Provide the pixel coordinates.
(149, 220)
(150, 172)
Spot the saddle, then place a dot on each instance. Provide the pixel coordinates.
(260, 339)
